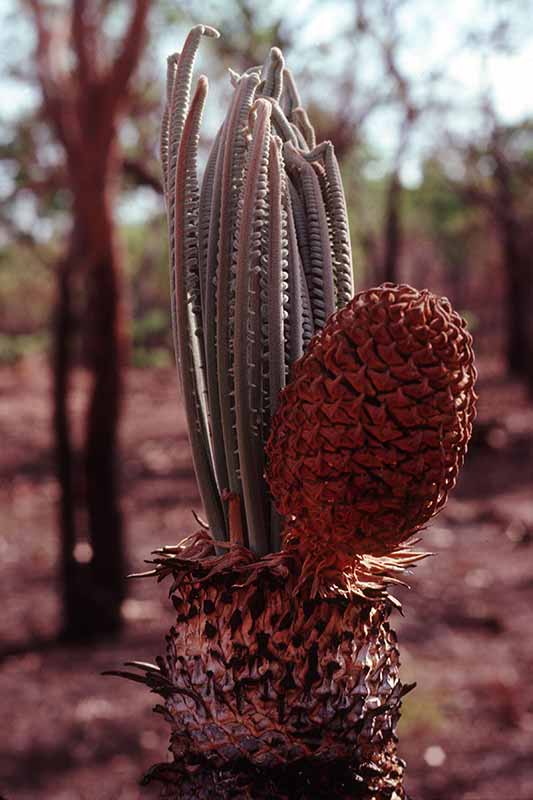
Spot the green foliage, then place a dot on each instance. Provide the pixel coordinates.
(14, 347)
(154, 323)
(437, 208)
(26, 288)
(472, 319)
(422, 711)
(151, 357)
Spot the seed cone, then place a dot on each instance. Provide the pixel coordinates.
(372, 429)
(271, 692)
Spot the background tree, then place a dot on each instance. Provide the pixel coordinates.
(85, 83)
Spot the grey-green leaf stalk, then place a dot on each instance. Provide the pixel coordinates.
(260, 256)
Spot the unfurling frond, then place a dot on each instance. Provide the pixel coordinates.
(188, 330)
(253, 208)
(260, 257)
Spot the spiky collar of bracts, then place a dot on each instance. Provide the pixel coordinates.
(315, 572)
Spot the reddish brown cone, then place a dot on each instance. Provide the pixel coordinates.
(370, 434)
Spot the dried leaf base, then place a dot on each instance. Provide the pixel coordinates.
(269, 691)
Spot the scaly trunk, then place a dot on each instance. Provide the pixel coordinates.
(304, 780)
(272, 692)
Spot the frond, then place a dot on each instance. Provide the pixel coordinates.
(254, 208)
(312, 228)
(187, 306)
(232, 178)
(302, 122)
(272, 74)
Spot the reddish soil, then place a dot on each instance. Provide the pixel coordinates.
(69, 734)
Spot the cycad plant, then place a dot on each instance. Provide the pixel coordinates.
(326, 429)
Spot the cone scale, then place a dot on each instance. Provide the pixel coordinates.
(280, 677)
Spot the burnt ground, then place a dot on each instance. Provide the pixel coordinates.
(69, 734)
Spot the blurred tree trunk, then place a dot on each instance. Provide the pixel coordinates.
(392, 230)
(84, 106)
(516, 265)
(518, 276)
(64, 455)
(94, 249)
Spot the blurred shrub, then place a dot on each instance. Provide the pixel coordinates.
(26, 289)
(151, 328)
(423, 710)
(150, 339)
(13, 347)
(145, 357)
